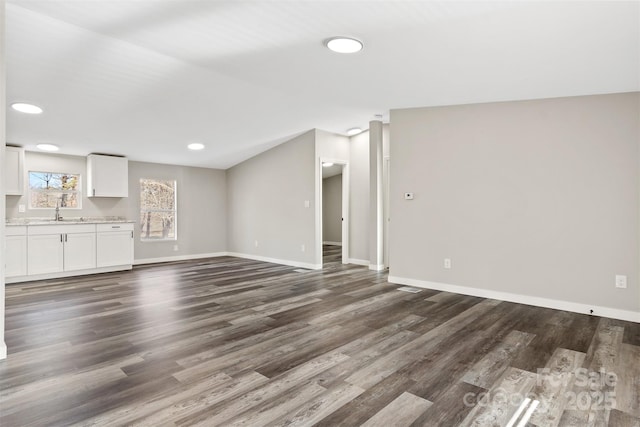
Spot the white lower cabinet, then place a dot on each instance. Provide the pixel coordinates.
(16, 251)
(57, 248)
(115, 244)
(79, 251)
(45, 254)
(44, 251)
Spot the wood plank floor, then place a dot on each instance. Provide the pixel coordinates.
(228, 341)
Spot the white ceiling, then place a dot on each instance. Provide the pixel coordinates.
(144, 78)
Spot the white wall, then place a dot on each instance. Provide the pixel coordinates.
(201, 211)
(533, 198)
(359, 194)
(46, 162)
(331, 146)
(3, 103)
(332, 209)
(266, 203)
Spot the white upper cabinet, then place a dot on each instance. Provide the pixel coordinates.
(14, 171)
(107, 176)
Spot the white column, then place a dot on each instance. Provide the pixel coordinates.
(376, 199)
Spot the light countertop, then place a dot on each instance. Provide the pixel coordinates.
(66, 221)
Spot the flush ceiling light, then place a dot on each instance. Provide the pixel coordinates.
(26, 108)
(354, 131)
(344, 44)
(47, 147)
(195, 146)
(327, 164)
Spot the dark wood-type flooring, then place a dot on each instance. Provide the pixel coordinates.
(228, 341)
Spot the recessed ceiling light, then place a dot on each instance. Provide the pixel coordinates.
(47, 147)
(327, 164)
(354, 131)
(344, 44)
(26, 108)
(195, 146)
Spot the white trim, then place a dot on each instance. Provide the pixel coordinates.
(613, 313)
(332, 243)
(61, 274)
(358, 261)
(177, 258)
(299, 264)
(378, 267)
(3, 350)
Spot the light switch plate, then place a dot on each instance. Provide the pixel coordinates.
(408, 196)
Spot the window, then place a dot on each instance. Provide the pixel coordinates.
(157, 210)
(51, 189)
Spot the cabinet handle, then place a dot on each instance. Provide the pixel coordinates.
(94, 191)
(132, 234)
(65, 237)
(61, 238)
(115, 226)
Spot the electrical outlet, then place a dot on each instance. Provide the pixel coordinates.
(256, 243)
(307, 204)
(621, 281)
(447, 263)
(21, 208)
(302, 247)
(175, 248)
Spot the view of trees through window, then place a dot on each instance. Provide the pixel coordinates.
(157, 209)
(51, 189)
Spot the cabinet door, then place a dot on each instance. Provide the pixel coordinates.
(115, 248)
(79, 251)
(14, 171)
(45, 254)
(16, 256)
(108, 176)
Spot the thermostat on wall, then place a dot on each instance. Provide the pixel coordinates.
(408, 196)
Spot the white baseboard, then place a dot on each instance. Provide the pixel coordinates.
(613, 313)
(358, 261)
(62, 274)
(178, 258)
(375, 267)
(332, 243)
(3, 350)
(299, 264)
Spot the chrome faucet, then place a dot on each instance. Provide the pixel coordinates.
(58, 217)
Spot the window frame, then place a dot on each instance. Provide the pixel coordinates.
(60, 192)
(173, 211)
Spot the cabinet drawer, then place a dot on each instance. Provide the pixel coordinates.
(36, 230)
(121, 226)
(15, 230)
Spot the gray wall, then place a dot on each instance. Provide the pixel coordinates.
(332, 209)
(201, 197)
(265, 203)
(45, 162)
(201, 204)
(537, 198)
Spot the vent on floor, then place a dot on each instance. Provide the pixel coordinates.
(410, 289)
(302, 270)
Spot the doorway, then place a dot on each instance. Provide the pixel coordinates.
(334, 212)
